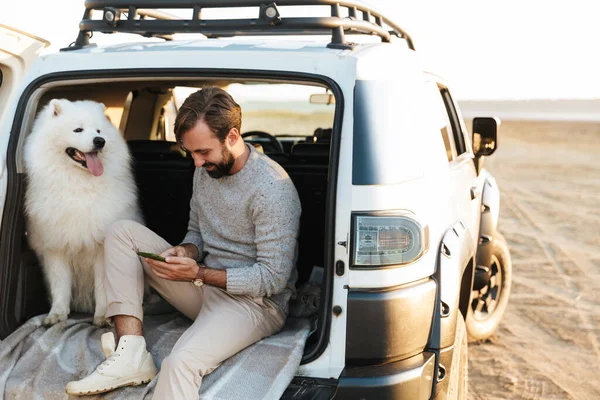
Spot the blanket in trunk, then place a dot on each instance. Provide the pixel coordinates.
(36, 362)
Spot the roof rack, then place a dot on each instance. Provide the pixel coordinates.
(143, 17)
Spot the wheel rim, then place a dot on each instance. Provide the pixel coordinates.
(486, 300)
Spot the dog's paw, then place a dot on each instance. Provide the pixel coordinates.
(101, 321)
(54, 318)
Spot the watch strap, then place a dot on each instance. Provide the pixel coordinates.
(200, 273)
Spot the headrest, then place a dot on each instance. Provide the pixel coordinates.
(322, 135)
(316, 150)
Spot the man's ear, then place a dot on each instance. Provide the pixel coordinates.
(56, 106)
(233, 136)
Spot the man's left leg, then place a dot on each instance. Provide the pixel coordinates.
(225, 325)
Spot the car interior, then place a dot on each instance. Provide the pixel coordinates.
(295, 131)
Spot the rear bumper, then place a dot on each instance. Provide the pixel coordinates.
(410, 379)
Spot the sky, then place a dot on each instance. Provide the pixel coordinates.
(485, 49)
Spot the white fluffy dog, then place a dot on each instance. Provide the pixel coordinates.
(79, 182)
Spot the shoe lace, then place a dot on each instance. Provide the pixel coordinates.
(106, 363)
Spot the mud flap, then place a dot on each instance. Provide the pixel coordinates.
(490, 208)
(454, 272)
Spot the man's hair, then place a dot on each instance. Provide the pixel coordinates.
(212, 105)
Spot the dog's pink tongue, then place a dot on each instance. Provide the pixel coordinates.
(94, 164)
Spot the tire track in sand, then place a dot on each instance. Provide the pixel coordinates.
(526, 217)
(570, 381)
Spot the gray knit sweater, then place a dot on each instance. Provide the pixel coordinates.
(248, 223)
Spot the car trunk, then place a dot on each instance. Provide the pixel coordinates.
(163, 174)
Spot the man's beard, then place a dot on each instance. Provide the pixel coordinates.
(221, 169)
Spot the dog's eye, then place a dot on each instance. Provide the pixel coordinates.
(78, 130)
(98, 130)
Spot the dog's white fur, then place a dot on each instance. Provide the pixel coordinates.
(69, 209)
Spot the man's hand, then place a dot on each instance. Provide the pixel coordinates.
(183, 250)
(181, 265)
(176, 268)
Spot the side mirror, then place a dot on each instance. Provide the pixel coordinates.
(485, 133)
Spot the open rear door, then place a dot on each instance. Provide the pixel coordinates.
(18, 50)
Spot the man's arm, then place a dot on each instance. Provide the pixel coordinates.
(193, 236)
(214, 277)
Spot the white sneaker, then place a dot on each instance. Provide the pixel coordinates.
(129, 365)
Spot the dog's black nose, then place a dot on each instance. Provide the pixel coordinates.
(99, 142)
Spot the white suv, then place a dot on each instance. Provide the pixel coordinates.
(398, 212)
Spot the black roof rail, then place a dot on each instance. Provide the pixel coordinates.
(143, 17)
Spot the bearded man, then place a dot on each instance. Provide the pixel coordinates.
(244, 215)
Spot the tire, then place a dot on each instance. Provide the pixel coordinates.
(482, 317)
(459, 374)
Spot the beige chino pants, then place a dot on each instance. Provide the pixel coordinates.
(223, 324)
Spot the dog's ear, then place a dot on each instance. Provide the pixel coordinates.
(103, 110)
(101, 106)
(56, 107)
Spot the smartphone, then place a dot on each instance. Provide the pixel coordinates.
(151, 255)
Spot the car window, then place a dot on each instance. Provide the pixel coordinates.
(457, 133)
(281, 109)
(440, 118)
(385, 148)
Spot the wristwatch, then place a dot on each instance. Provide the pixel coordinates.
(198, 281)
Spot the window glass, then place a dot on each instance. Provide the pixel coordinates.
(459, 139)
(440, 118)
(281, 109)
(388, 117)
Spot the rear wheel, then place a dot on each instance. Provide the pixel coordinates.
(459, 374)
(489, 303)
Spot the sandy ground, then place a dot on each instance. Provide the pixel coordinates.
(548, 345)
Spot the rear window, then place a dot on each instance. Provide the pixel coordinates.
(387, 140)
